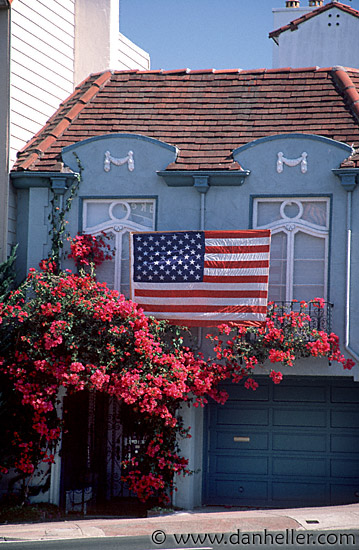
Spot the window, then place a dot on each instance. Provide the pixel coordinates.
(117, 218)
(299, 248)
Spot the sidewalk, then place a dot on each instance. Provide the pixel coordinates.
(203, 520)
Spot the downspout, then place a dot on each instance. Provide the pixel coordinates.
(348, 179)
(202, 186)
(347, 346)
(203, 210)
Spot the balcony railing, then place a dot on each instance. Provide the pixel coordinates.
(320, 316)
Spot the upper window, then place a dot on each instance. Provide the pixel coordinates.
(299, 246)
(117, 218)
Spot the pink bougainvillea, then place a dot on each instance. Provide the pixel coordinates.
(69, 330)
(285, 337)
(87, 249)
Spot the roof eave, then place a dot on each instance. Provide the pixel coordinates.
(349, 177)
(201, 180)
(55, 180)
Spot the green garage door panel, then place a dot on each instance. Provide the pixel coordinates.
(311, 467)
(292, 444)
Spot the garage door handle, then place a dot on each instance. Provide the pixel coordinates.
(239, 439)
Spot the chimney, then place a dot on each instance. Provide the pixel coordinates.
(316, 3)
(292, 4)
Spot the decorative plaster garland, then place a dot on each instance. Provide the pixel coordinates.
(302, 160)
(119, 162)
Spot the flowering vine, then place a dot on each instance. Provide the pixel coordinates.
(285, 337)
(69, 330)
(89, 250)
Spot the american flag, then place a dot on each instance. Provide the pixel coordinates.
(201, 278)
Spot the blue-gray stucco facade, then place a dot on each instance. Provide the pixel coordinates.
(215, 200)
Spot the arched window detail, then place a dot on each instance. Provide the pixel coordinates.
(117, 218)
(299, 248)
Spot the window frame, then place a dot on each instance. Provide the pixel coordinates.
(292, 226)
(116, 226)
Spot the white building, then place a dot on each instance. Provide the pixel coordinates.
(47, 47)
(316, 34)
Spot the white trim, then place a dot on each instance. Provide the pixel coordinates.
(302, 160)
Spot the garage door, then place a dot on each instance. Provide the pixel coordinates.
(292, 444)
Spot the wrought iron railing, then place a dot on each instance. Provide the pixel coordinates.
(320, 313)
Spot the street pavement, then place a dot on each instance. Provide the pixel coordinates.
(203, 520)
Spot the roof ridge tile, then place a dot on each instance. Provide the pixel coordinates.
(347, 88)
(177, 71)
(155, 71)
(253, 71)
(227, 71)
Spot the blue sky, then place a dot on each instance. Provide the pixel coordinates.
(204, 34)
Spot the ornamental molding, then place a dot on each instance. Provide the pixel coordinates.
(302, 160)
(109, 159)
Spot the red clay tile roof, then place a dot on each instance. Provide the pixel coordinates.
(293, 25)
(206, 114)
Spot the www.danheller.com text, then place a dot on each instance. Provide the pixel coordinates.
(289, 537)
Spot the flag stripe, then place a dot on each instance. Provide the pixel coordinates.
(249, 274)
(251, 249)
(233, 264)
(205, 308)
(237, 242)
(202, 293)
(196, 322)
(194, 301)
(219, 316)
(227, 235)
(220, 284)
(236, 257)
